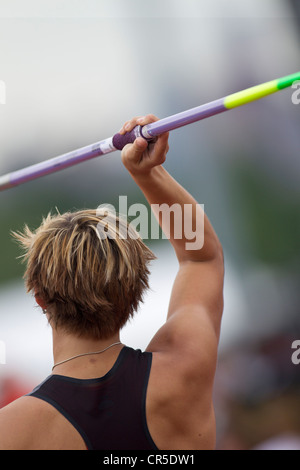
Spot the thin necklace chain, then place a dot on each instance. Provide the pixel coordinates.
(85, 354)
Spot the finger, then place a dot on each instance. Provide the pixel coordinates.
(129, 125)
(143, 120)
(133, 152)
(161, 144)
(158, 150)
(139, 120)
(140, 144)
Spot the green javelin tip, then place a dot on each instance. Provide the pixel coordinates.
(288, 81)
(259, 91)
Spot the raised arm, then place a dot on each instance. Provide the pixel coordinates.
(196, 303)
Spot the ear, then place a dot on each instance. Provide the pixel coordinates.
(40, 301)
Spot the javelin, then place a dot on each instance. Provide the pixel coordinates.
(148, 132)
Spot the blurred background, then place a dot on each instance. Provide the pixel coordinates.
(74, 72)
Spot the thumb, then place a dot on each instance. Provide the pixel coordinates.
(140, 145)
(134, 151)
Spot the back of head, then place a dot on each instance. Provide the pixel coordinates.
(89, 267)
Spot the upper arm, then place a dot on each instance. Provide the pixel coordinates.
(199, 285)
(192, 329)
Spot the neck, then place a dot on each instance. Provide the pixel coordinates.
(66, 346)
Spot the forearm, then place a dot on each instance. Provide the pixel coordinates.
(182, 219)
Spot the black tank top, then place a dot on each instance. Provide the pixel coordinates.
(108, 412)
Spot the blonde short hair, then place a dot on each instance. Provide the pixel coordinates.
(92, 284)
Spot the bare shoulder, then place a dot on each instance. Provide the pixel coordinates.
(19, 420)
(29, 423)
